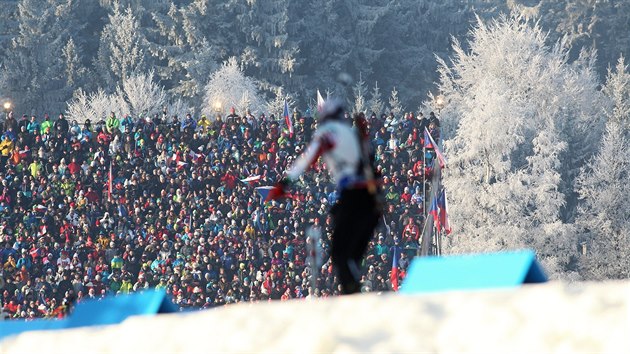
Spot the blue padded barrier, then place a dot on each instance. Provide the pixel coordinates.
(472, 272)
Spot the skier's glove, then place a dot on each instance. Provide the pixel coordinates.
(279, 190)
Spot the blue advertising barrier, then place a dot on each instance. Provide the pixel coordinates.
(107, 311)
(472, 272)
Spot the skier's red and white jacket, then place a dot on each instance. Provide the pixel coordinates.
(338, 144)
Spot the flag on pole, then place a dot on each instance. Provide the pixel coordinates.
(394, 274)
(320, 102)
(264, 192)
(433, 210)
(251, 179)
(435, 147)
(110, 182)
(443, 212)
(427, 140)
(287, 118)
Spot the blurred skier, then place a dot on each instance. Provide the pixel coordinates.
(347, 155)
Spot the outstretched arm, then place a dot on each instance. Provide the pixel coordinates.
(305, 160)
(319, 146)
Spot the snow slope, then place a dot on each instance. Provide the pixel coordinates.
(551, 318)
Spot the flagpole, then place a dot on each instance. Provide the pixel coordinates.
(424, 181)
(424, 192)
(109, 182)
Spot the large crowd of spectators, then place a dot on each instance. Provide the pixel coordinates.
(176, 215)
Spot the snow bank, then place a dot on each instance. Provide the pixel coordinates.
(552, 317)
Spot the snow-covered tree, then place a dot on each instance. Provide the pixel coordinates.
(9, 15)
(95, 106)
(276, 106)
(184, 56)
(76, 74)
(376, 104)
(604, 187)
(518, 107)
(32, 73)
(122, 50)
(359, 91)
(142, 94)
(394, 103)
(229, 87)
(270, 51)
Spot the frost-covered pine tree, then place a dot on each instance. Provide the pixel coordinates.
(76, 74)
(184, 56)
(517, 107)
(229, 87)
(122, 49)
(395, 105)
(359, 91)
(270, 51)
(375, 104)
(604, 187)
(32, 73)
(276, 106)
(554, 241)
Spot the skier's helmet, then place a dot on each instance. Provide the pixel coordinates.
(333, 109)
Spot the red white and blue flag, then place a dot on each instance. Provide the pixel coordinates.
(287, 118)
(443, 213)
(428, 141)
(395, 273)
(434, 211)
(264, 192)
(432, 145)
(251, 179)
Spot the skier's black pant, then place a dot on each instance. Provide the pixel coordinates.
(355, 217)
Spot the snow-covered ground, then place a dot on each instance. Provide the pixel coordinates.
(549, 318)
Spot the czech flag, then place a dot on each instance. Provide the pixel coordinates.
(264, 192)
(435, 147)
(428, 141)
(287, 118)
(251, 179)
(395, 273)
(434, 211)
(443, 212)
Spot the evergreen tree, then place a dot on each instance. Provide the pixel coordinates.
(8, 28)
(395, 105)
(604, 187)
(122, 50)
(359, 91)
(517, 108)
(184, 56)
(76, 74)
(32, 72)
(376, 104)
